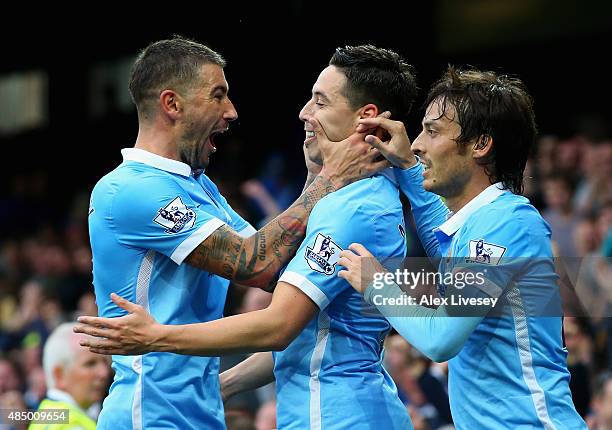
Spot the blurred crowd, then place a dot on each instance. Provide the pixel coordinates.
(45, 278)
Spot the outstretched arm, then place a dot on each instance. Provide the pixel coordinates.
(255, 261)
(438, 333)
(254, 372)
(272, 328)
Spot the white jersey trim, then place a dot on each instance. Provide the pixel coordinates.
(248, 231)
(315, 369)
(311, 290)
(142, 298)
(157, 161)
(184, 249)
(521, 331)
(455, 222)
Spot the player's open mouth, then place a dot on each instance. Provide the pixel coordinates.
(213, 136)
(425, 167)
(310, 137)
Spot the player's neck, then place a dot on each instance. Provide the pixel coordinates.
(475, 186)
(158, 141)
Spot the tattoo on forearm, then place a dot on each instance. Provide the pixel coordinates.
(256, 261)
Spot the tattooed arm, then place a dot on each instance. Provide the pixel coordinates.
(255, 261)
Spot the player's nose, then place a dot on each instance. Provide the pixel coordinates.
(230, 113)
(417, 145)
(306, 112)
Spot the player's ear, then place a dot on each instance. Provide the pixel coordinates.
(171, 103)
(369, 111)
(483, 148)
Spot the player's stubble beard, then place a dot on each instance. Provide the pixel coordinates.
(314, 154)
(192, 151)
(456, 176)
(194, 156)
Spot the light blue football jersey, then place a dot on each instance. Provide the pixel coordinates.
(145, 218)
(331, 376)
(511, 372)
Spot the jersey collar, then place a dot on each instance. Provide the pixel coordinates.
(60, 396)
(157, 161)
(389, 173)
(455, 222)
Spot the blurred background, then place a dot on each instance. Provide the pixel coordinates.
(65, 113)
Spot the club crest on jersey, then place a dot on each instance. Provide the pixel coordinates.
(485, 253)
(323, 255)
(175, 216)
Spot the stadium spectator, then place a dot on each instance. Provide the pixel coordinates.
(579, 361)
(9, 376)
(76, 379)
(12, 401)
(559, 214)
(417, 387)
(601, 418)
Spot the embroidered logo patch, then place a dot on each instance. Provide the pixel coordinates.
(483, 252)
(323, 255)
(175, 216)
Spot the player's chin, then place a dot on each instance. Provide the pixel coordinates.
(204, 158)
(429, 185)
(312, 147)
(310, 142)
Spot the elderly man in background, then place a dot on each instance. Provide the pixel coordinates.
(76, 379)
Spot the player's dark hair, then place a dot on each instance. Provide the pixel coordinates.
(378, 76)
(495, 106)
(173, 63)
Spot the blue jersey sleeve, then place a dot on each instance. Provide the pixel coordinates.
(428, 209)
(162, 217)
(314, 268)
(434, 332)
